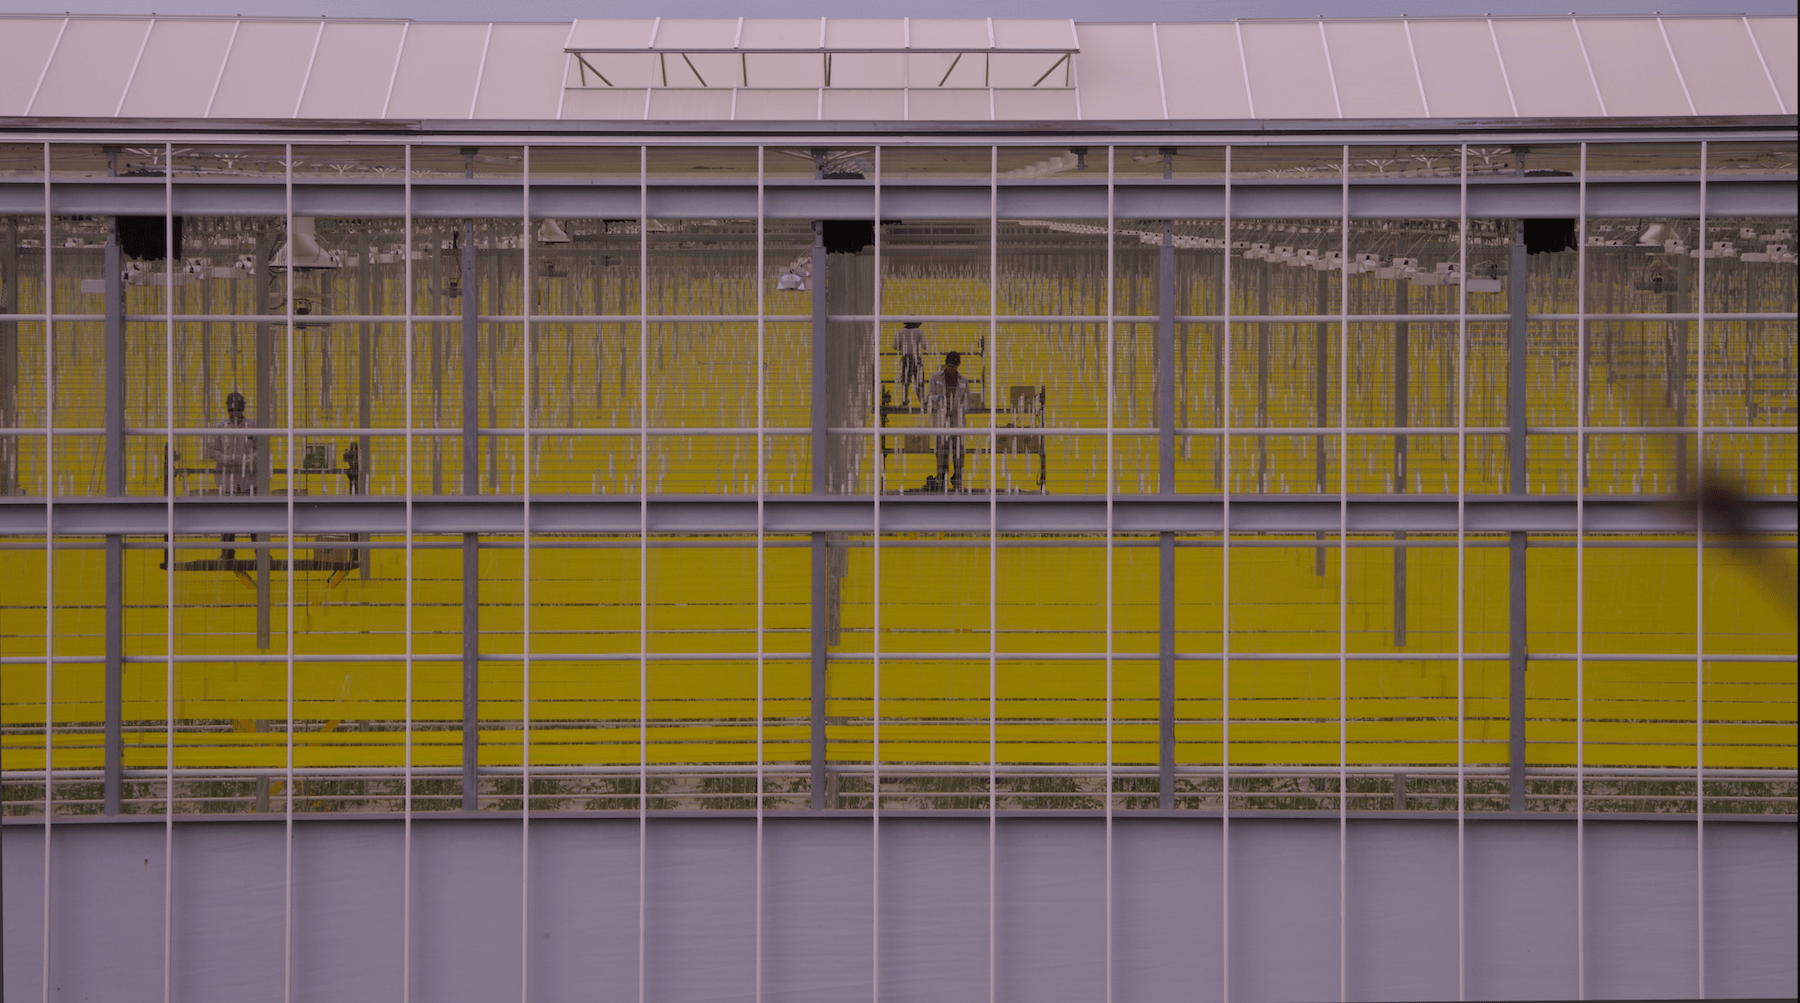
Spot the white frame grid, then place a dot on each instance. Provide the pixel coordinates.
(1225, 320)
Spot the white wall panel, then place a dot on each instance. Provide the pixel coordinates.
(227, 914)
(349, 921)
(818, 902)
(1520, 909)
(819, 880)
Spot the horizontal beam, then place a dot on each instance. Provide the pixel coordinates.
(678, 514)
(1433, 131)
(911, 200)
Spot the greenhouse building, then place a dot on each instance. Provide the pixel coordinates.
(940, 510)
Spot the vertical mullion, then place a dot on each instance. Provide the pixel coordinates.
(1699, 482)
(643, 423)
(49, 423)
(406, 797)
(1223, 346)
(876, 484)
(1581, 327)
(993, 617)
(288, 401)
(118, 383)
(761, 536)
(1111, 400)
(527, 400)
(1462, 499)
(1343, 568)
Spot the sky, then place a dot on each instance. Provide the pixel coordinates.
(1080, 10)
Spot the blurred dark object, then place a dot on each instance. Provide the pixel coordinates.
(1547, 236)
(146, 239)
(848, 236)
(1723, 509)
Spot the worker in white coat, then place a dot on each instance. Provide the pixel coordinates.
(947, 406)
(234, 459)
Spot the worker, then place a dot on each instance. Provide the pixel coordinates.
(909, 342)
(234, 459)
(946, 405)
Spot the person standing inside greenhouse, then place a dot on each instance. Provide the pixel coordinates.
(234, 459)
(909, 343)
(946, 405)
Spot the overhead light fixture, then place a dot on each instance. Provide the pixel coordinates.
(303, 249)
(552, 232)
(1654, 235)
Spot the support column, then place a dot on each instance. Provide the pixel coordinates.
(1515, 689)
(471, 688)
(1165, 693)
(1321, 406)
(1402, 418)
(113, 741)
(115, 363)
(820, 362)
(1165, 352)
(820, 633)
(365, 364)
(114, 736)
(1517, 451)
(9, 359)
(471, 378)
(264, 362)
(1165, 423)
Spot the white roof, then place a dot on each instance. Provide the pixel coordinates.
(897, 69)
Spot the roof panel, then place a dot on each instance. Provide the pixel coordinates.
(1632, 64)
(944, 33)
(351, 73)
(858, 105)
(87, 74)
(948, 106)
(788, 33)
(264, 71)
(696, 33)
(1545, 66)
(179, 69)
(694, 105)
(861, 33)
(1460, 69)
(1036, 106)
(25, 46)
(1289, 77)
(1719, 64)
(1776, 39)
(616, 104)
(778, 106)
(1050, 34)
(438, 70)
(523, 78)
(1203, 71)
(594, 33)
(1118, 78)
(1373, 66)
